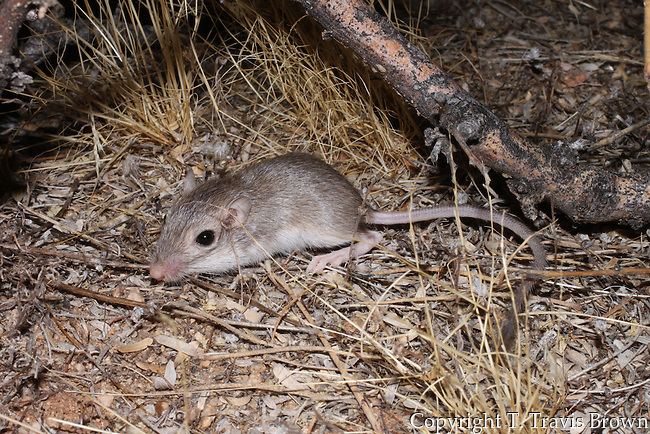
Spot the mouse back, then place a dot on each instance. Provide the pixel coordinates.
(308, 191)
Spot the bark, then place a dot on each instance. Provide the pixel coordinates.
(12, 15)
(646, 40)
(536, 173)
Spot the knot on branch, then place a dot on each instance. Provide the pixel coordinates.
(470, 129)
(529, 194)
(467, 118)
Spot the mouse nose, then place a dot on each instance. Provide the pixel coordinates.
(168, 269)
(157, 271)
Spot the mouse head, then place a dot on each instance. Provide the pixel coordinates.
(196, 237)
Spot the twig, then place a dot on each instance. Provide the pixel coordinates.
(201, 315)
(173, 308)
(601, 362)
(274, 350)
(12, 15)
(69, 231)
(80, 292)
(614, 137)
(26, 427)
(64, 208)
(586, 273)
(236, 296)
(76, 257)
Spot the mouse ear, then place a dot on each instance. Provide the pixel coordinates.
(236, 213)
(189, 182)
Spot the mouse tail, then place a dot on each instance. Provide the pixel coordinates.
(464, 211)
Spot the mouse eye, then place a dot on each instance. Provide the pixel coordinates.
(205, 238)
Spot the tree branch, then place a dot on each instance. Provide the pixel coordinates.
(537, 173)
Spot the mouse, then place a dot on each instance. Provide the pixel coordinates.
(295, 202)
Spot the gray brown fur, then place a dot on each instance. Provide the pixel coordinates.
(294, 193)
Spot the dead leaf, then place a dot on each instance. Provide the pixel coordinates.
(160, 383)
(105, 400)
(239, 402)
(191, 348)
(134, 346)
(170, 373)
(253, 314)
(135, 295)
(286, 377)
(151, 367)
(397, 321)
(575, 78)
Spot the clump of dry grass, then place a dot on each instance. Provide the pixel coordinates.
(296, 100)
(134, 77)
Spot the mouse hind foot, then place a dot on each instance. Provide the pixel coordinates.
(365, 241)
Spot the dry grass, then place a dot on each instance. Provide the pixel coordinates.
(274, 349)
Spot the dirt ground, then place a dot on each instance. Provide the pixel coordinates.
(397, 339)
